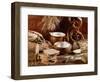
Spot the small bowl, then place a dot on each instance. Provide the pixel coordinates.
(77, 51)
(56, 36)
(64, 47)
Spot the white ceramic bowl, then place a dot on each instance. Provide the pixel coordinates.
(64, 47)
(57, 34)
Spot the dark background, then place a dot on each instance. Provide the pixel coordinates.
(34, 24)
